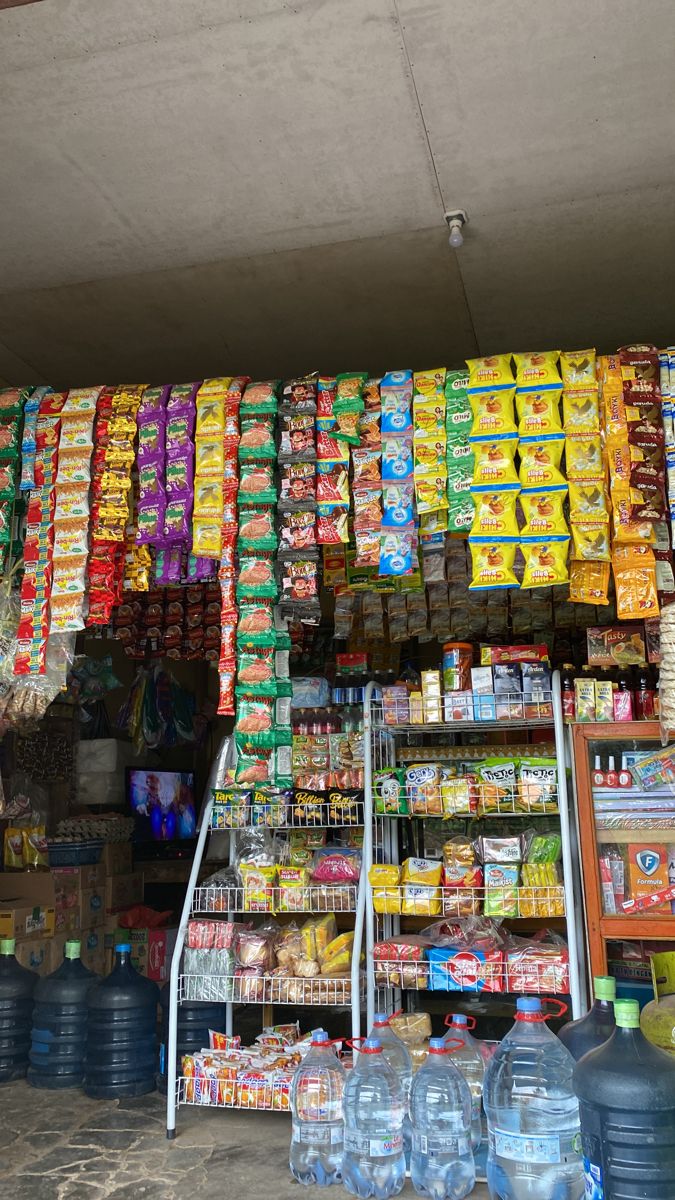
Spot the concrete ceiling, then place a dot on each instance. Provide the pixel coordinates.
(259, 186)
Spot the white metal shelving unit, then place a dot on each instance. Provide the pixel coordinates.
(233, 990)
(387, 745)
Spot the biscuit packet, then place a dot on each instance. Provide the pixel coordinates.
(493, 414)
(578, 369)
(581, 412)
(493, 371)
(588, 501)
(495, 514)
(634, 569)
(584, 457)
(494, 464)
(545, 562)
(543, 512)
(590, 541)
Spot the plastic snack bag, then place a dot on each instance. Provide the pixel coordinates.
(543, 513)
(494, 371)
(540, 463)
(589, 582)
(495, 514)
(492, 414)
(634, 569)
(545, 562)
(578, 369)
(537, 369)
(584, 458)
(493, 561)
(590, 541)
(494, 465)
(581, 412)
(538, 413)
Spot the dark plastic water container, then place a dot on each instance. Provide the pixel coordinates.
(592, 1031)
(121, 1032)
(59, 1041)
(17, 985)
(195, 1019)
(626, 1092)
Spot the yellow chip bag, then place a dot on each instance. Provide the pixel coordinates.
(543, 513)
(492, 563)
(537, 368)
(210, 416)
(634, 570)
(584, 458)
(538, 412)
(492, 413)
(581, 412)
(493, 463)
(540, 463)
(619, 463)
(491, 372)
(384, 875)
(578, 368)
(495, 514)
(616, 422)
(545, 562)
(589, 582)
(590, 541)
(609, 368)
(588, 501)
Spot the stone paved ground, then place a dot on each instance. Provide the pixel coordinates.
(62, 1146)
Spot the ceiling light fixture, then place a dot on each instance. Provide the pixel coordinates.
(456, 219)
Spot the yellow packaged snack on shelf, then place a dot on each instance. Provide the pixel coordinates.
(626, 530)
(429, 416)
(344, 941)
(429, 383)
(493, 414)
(384, 875)
(491, 372)
(590, 541)
(386, 900)
(492, 563)
(588, 501)
(589, 582)
(540, 463)
(422, 870)
(578, 369)
(494, 464)
(545, 562)
(616, 423)
(619, 463)
(581, 412)
(543, 512)
(537, 369)
(538, 412)
(634, 569)
(419, 901)
(428, 452)
(584, 458)
(495, 514)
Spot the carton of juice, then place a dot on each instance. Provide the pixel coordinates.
(647, 871)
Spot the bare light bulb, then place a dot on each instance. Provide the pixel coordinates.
(456, 238)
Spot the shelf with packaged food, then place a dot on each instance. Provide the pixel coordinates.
(299, 811)
(309, 898)
(501, 901)
(236, 1088)
(250, 987)
(464, 711)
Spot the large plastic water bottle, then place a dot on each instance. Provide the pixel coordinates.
(442, 1163)
(626, 1091)
(469, 1059)
(17, 985)
(398, 1056)
(532, 1113)
(592, 1031)
(121, 1032)
(59, 1039)
(316, 1105)
(373, 1163)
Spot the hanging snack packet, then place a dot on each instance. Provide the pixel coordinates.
(368, 509)
(296, 436)
(332, 525)
(332, 483)
(298, 481)
(491, 372)
(494, 463)
(367, 547)
(588, 501)
(584, 458)
(397, 458)
(538, 784)
(538, 412)
(256, 482)
(296, 530)
(492, 414)
(589, 582)
(397, 549)
(543, 513)
(396, 391)
(261, 397)
(431, 491)
(495, 514)
(578, 369)
(300, 579)
(366, 464)
(369, 430)
(590, 541)
(256, 438)
(545, 562)
(493, 563)
(581, 412)
(257, 529)
(540, 463)
(325, 399)
(634, 569)
(398, 505)
(537, 369)
(301, 394)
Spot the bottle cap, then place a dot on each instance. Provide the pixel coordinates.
(604, 987)
(7, 945)
(123, 948)
(627, 1014)
(437, 1046)
(460, 1019)
(380, 1019)
(72, 950)
(371, 1046)
(528, 1004)
(320, 1038)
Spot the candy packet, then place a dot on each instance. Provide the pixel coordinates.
(495, 514)
(578, 369)
(256, 482)
(584, 458)
(491, 372)
(543, 513)
(494, 464)
(398, 505)
(538, 413)
(588, 501)
(256, 577)
(634, 569)
(256, 440)
(366, 464)
(581, 412)
(261, 397)
(297, 481)
(589, 582)
(296, 530)
(590, 541)
(296, 436)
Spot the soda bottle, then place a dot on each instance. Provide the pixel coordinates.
(532, 1113)
(591, 1031)
(467, 1057)
(373, 1163)
(442, 1163)
(398, 1056)
(316, 1106)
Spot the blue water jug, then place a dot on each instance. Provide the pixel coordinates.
(195, 1019)
(59, 1038)
(121, 1032)
(592, 1031)
(17, 986)
(626, 1092)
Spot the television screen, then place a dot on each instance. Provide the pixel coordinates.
(163, 803)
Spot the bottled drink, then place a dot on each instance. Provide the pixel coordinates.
(316, 1105)
(469, 1060)
(592, 1031)
(442, 1163)
(373, 1163)
(398, 1056)
(626, 1092)
(17, 985)
(121, 1032)
(532, 1113)
(567, 690)
(59, 1038)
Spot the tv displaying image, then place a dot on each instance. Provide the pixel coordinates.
(163, 803)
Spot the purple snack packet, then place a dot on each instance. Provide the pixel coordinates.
(178, 518)
(179, 471)
(150, 521)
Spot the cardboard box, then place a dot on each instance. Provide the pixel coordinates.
(151, 950)
(92, 949)
(27, 907)
(117, 858)
(35, 954)
(648, 871)
(92, 908)
(121, 891)
(67, 920)
(78, 879)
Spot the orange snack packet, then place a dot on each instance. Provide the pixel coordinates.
(635, 582)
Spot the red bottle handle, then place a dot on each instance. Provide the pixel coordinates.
(471, 1022)
(562, 1008)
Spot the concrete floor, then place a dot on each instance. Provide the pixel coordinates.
(62, 1146)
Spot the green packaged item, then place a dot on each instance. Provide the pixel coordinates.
(257, 528)
(260, 397)
(254, 724)
(497, 784)
(538, 784)
(389, 792)
(256, 483)
(254, 766)
(544, 848)
(257, 439)
(256, 577)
